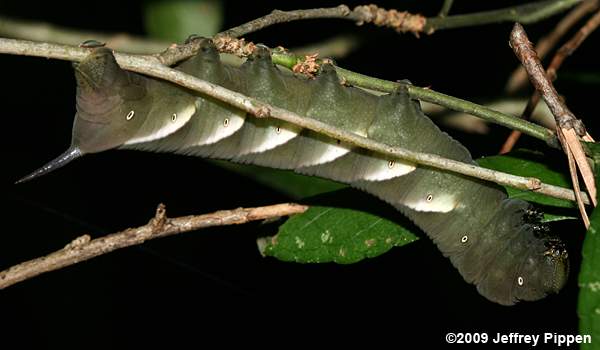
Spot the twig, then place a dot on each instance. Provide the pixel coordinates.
(566, 123)
(84, 248)
(278, 16)
(570, 46)
(445, 8)
(526, 54)
(151, 66)
(566, 50)
(528, 13)
(402, 21)
(519, 77)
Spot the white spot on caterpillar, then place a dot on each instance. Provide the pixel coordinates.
(380, 171)
(268, 138)
(215, 130)
(174, 117)
(464, 239)
(155, 128)
(520, 281)
(130, 115)
(324, 152)
(597, 311)
(440, 204)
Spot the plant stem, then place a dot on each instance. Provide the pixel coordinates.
(527, 13)
(445, 8)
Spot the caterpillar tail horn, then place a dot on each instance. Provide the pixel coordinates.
(68, 156)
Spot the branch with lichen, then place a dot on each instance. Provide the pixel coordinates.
(153, 67)
(400, 21)
(404, 21)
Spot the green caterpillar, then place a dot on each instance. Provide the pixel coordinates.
(496, 243)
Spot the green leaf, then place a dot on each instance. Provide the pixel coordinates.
(588, 306)
(557, 217)
(531, 164)
(294, 185)
(175, 20)
(334, 234)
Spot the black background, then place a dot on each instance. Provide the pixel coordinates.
(213, 284)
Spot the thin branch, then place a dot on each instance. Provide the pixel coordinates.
(403, 21)
(446, 8)
(44, 32)
(278, 16)
(84, 248)
(519, 76)
(528, 13)
(566, 50)
(570, 46)
(568, 126)
(526, 54)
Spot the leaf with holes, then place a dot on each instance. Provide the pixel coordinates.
(332, 234)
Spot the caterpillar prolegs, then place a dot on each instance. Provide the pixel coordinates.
(496, 243)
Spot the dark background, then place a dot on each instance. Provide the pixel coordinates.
(213, 284)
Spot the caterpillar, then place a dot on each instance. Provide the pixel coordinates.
(498, 244)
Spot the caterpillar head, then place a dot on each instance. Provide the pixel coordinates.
(528, 265)
(103, 119)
